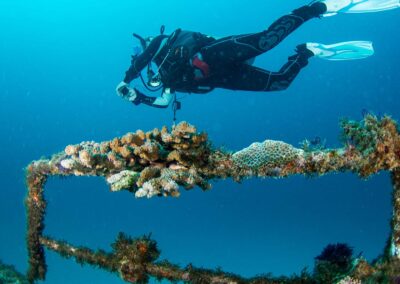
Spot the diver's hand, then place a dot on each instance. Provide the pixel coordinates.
(122, 89)
(125, 92)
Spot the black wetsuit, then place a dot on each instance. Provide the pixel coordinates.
(226, 57)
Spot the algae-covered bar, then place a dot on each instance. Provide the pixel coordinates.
(161, 162)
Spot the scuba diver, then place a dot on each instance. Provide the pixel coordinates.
(192, 62)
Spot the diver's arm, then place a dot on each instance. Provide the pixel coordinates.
(158, 102)
(137, 97)
(139, 62)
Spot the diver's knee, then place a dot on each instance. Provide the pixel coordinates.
(278, 86)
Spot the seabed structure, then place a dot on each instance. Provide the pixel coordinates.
(160, 162)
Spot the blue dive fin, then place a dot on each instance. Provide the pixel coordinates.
(359, 6)
(349, 50)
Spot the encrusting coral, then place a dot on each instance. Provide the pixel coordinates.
(159, 162)
(395, 241)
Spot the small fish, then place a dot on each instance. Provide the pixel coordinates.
(365, 112)
(316, 141)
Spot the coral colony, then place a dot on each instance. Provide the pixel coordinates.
(160, 162)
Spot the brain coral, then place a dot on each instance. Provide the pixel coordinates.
(268, 153)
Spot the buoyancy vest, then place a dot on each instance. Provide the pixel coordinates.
(174, 60)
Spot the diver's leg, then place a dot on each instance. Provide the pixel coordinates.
(249, 78)
(244, 47)
(281, 80)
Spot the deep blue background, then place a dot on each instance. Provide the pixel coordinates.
(59, 64)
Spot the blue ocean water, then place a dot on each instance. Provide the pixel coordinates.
(59, 64)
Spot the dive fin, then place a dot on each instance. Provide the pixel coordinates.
(350, 50)
(359, 6)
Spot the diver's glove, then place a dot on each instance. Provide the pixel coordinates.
(125, 92)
